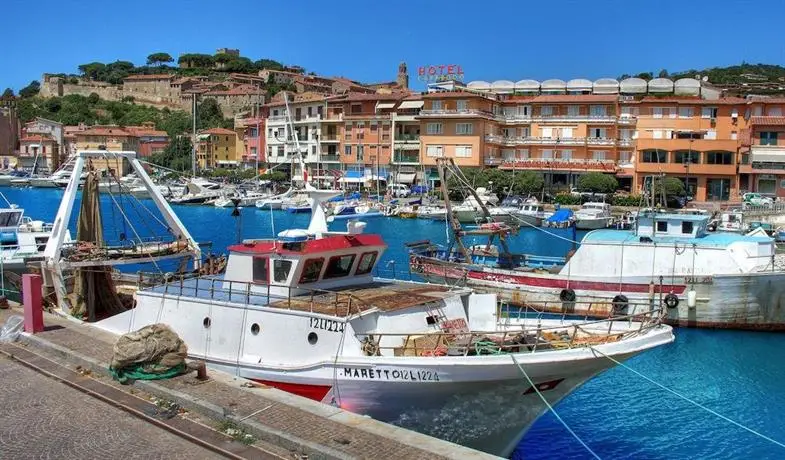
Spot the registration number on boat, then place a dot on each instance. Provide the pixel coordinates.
(391, 374)
(698, 280)
(327, 324)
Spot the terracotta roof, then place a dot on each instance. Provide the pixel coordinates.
(218, 131)
(360, 97)
(767, 121)
(158, 76)
(767, 100)
(693, 101)
(149, 132)
(118, 132)
(299, 99)
(554, 98)
(454, 95)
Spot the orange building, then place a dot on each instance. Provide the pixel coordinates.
(762, 167)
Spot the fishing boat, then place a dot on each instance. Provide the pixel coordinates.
(21, 239)
(531, 213)
(593, 215)
(717, 280)
(198, 191)
(401, 352)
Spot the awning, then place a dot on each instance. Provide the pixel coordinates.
(354, 174)
(405, 178)
(352, 180)
(411, 105)
(385, 105)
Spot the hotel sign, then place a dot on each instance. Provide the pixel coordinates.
(442, 72)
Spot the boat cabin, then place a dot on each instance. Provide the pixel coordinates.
(297, 262)
(598, 208)
(655, 224)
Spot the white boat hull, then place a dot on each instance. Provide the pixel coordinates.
(590, 223)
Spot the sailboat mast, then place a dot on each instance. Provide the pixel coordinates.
(456, 226)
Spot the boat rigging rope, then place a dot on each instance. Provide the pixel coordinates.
(569, 240)
(553, 411)
(695, 403)
(339, 352)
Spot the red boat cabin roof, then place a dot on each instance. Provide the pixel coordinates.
(326, 244)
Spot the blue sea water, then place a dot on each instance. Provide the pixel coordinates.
(741, 375)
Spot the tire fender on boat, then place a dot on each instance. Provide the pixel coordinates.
(671, 300)
(620, 303)
(567, 295)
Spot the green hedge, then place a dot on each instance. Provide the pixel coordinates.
(626, 200)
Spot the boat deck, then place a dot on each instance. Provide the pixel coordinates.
(341, 302)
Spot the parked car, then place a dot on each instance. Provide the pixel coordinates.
(398, 190)
(756, 199)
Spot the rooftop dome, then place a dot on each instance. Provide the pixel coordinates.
(661, 85)
(503, 86)
(687, 87)
(606, 86)
(527, 86)
(633, 86)
(553, 85)
(479, 85)
(579, 84)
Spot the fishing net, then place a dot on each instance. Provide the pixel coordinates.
(153, 352)
(94, 295)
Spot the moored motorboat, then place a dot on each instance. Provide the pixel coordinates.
(593, 216)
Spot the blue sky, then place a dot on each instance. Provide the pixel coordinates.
(365, 40)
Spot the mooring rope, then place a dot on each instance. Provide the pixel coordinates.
(553, 411)
(693, 402)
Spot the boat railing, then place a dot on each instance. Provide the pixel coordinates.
(526, 339)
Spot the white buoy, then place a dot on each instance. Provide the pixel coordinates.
(692, 298)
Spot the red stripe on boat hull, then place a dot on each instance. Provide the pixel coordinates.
(315, 392)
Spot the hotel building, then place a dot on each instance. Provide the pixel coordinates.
(762, 167)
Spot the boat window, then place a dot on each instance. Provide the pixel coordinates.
(281, 269)
(260, 274)
(662, 226)
(339, 266)
(311, 270)
(686, 227)
(366, 263)
(10, 219)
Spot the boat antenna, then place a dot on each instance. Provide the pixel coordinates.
(6, 200)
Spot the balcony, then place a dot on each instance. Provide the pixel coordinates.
(329, 138)
(626, 120)
(456, 113)
(575, 118)
(307, 118)
(680, 169)
(600, 141)
(407, 138)
(330, 158)
(333, 117)
(767, 154)
(406, 157)
(626, 142)
(555, 164)
(520, 140)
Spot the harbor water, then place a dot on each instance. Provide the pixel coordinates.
(618, 415)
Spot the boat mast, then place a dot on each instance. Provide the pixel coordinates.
(441, 164)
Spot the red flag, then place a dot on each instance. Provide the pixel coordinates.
(544, 386)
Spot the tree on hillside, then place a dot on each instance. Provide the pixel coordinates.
(209, 115)
(8, 94)
(598, 183)
(30, 90)
(176, 155)
(174, 122)
(196, 60)
(92, 70)
(93, 98)
(239, 64)
(159, 58)
(268, 64)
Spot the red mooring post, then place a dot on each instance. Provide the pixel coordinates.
(33, 303)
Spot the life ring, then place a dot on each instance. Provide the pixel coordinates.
(567, 295)
(672, 300)
(620, 303)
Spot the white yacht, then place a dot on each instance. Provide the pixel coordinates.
(198, 191)
(593, 216)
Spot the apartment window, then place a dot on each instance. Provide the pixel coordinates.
(463, 151)
(654, 156)
(434, 128)
(657, 134)
(685, 112)
(546, 110)
(628, 112)
(672, 111)
(625, 134)
(598, 133)
(686, 135)
(436, 105)
(565, 133)
(253, 151)
(275, 112)
(598, 110)
(280, 151)
(719, 158)
(709, 112)
(374, 128)
(464, 128)
(656, 112)
(524, 110)
(734, 135)
(546, 133)
(508, 132)
(598, 155)
(462, 104)
(360, 152)
(625, 157)
(768, 138)
(385, 126)
(566, 154)
(523, 154)
(357, 108)
(686, 156)
(525, 131)
(573, 110)
(547, 154)
(710, 134)
(347, 150)
(434, 151)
